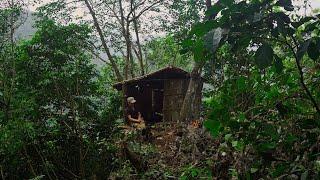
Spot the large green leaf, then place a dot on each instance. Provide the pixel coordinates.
(201, 29)
(281, 16)
(238, 145)
(213, 126)
(264, 56)
(302, 21)
(198, 50)
(314, 50)
(213, 38)
(286, 4)
(303, 49)
(215, 9)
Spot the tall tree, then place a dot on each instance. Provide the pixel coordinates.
(11, 18)
(195, 76)
(120, 34)
(55, 71)
(103, 41)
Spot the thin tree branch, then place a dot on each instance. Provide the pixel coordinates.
(314, 102)
(99, 57)
(145, 9)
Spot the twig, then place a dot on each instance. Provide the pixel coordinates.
(302, 77)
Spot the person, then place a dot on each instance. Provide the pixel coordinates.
(134, 117)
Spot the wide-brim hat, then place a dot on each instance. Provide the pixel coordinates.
(131, 100)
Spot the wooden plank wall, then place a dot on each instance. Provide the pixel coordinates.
(174, 92)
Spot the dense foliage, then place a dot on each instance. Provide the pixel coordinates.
(60, 117)
(265, 108)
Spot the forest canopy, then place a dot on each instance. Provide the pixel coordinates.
(62, 118)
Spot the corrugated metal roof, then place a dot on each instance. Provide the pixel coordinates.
(169, 72)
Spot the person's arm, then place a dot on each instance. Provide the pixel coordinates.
(133, 120)
(140, 117)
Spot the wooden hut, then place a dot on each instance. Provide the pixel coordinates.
(161, 92)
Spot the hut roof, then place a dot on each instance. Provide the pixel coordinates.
(169, 72)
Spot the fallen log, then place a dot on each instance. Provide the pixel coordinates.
(135, 159)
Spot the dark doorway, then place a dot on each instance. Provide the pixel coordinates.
(157, 105)
(149, 98)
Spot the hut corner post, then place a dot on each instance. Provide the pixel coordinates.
(124, 99)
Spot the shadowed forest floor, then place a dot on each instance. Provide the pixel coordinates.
(179, 151)
(172, 151)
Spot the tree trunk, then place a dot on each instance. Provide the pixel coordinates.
(10, 72)
(129, 50)
(195, 79)
(132, 63)
(189, 99)
(103, 41)
(124, 32)
(140, 57)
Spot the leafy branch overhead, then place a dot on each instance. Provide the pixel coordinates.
(256, 25)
